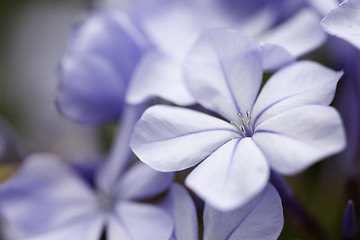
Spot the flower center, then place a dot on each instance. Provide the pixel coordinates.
(244, 126)
(105, 201)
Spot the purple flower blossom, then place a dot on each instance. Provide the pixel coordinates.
(287, 126)
(103, 51)
(47, 199)
(131, 56)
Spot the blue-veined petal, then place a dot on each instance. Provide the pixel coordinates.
(174, 138)
(297, 138)
(260, 219)
(223, 72)
(301, 83)
(231, 176)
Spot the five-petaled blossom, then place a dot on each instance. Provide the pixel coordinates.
(286, 127)
(48, 200)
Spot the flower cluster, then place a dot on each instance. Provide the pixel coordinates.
(227, 89)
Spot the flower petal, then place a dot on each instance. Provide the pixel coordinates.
(142, 182)
(223, 72)
(110, 35)
(173, 138)
(344, 22)
(102, 53)
(88, 229)
(323, 7)
(184, 211)
(41, 196)
(158, 18)
(138, 221)
(231, 176)
(301, 83)
(300, 137)
(158, 75)
(299, 35)
(260, 219)
(274, 56)
(91, 91)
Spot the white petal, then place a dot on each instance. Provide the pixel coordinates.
(323, 7)
(260, 219)
(172, 26)
(223, 72)
(344, 22)
(275, 56)
(138, 221)
(300, 137)
(231, 176)
(41, 196)
(173, 138)
(301, 83)
(299, 35)
(184, 211)
(158, 75)
(142, 182)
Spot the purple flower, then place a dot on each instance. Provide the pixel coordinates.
(103, 51)
(287, 126)
(344, 22)
(130, 57)
(48, 199)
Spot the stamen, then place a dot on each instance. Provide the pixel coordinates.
(245, 127)
(235, 124)
(241, 119)
(240, 128)
(248, 118)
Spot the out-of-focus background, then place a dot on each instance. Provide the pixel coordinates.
(33, 36)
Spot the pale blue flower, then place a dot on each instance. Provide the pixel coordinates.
(130, 56)
(173, 27)
(48, 200)
(287, 126)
